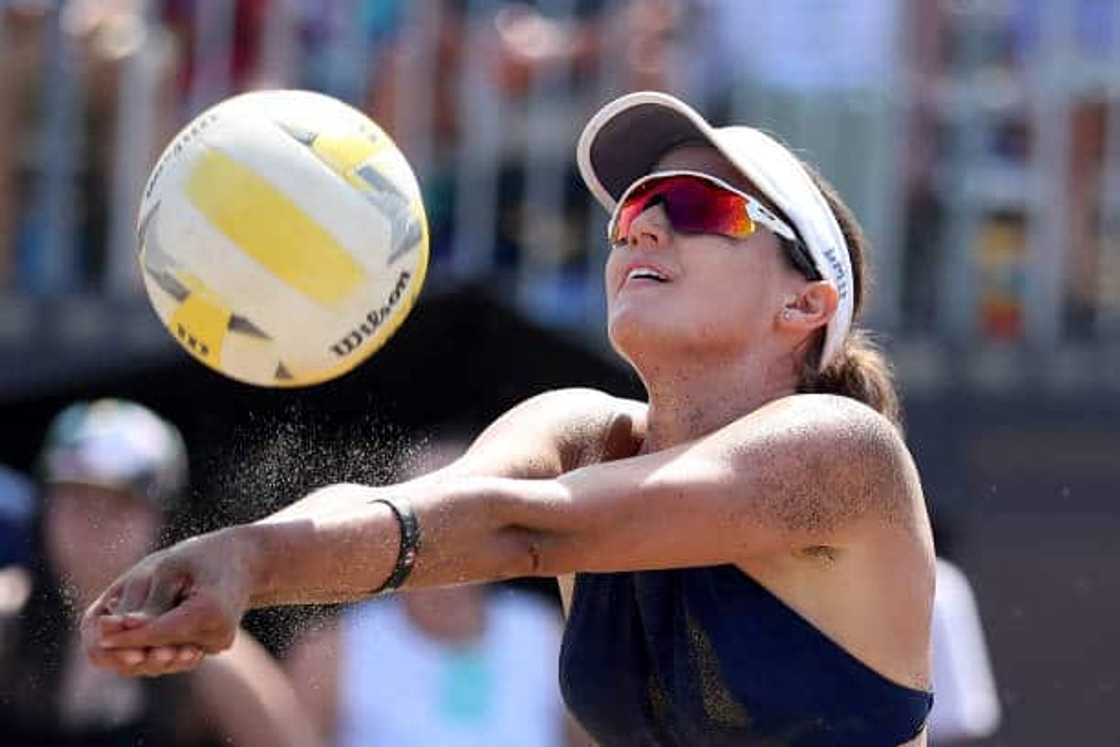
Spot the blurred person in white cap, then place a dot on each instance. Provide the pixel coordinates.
(111, 471)
(746, 557)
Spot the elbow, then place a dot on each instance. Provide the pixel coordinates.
(522, 551)
(531, 527)
(479, 530)
(535, 553)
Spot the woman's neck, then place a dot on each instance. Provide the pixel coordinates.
(690, 401)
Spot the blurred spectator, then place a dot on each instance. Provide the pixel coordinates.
(137, 70)
(463, 665)
(828, 77)
(236, 46)
(806, 45)
(111, 469)
(21, 58)
(16, 507)
(539, 64)
(966, 706)
(84, 106)
(128, 62)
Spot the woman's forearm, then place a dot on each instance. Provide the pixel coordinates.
(336, 546)
(313, 559)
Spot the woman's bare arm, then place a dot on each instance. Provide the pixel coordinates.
(541, 438)
(801, 473)
(809, 471)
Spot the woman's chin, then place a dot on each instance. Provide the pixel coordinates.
(634, 334)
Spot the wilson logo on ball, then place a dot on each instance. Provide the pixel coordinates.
(373, 320)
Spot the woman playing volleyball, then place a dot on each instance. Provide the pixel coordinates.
(746, 559)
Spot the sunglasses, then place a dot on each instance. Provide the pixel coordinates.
(698, 203)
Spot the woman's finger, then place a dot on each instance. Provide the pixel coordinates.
(162, 656)
(189, 657)
(109, 624)
(185, 658)
(163, 593)
(132, 657)
(97, 617)
(152, 662)
(191, 623)
(107, 659)
(133, 593)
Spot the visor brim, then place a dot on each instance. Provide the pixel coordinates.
(624, 141)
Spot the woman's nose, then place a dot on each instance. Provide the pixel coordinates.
(649, 228)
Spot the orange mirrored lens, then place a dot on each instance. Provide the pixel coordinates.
(692, 205)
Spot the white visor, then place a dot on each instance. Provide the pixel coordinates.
(624, 140)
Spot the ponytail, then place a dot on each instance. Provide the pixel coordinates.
(860, 371)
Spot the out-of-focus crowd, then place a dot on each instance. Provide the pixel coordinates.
(939, 122)
(92, 89)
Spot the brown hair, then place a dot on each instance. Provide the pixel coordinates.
(859, 370)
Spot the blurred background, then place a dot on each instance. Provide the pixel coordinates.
(978, 142)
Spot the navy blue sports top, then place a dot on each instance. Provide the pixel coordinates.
(708, 656)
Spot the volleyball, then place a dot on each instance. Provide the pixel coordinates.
(282, 238)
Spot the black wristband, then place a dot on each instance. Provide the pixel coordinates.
(409, 547)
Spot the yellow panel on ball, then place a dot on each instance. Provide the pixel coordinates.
(200, 324)
(272, 229)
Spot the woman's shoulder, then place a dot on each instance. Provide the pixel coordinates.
(858, 451)
(825, 406)
(827, 418)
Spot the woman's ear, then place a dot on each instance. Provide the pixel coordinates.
(813, 307)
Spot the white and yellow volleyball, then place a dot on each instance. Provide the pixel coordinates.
(282, 238)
